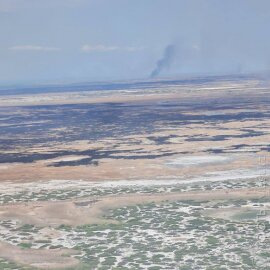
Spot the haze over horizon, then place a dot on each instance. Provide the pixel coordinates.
(100, 40)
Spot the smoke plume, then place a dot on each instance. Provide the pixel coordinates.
(165, 61)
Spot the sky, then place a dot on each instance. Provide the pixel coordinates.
(51, 41)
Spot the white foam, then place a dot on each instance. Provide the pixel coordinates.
(197, 160)
(12, 188)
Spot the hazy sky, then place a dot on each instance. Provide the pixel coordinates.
(86, 40)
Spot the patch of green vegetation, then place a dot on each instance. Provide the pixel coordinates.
(247, 260)
(265, 254)
(25, 245)
(65, 227)
(7, 265)
(211, 240)
(246, 215)
(27, 228)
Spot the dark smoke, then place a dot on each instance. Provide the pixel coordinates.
(165, 61)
